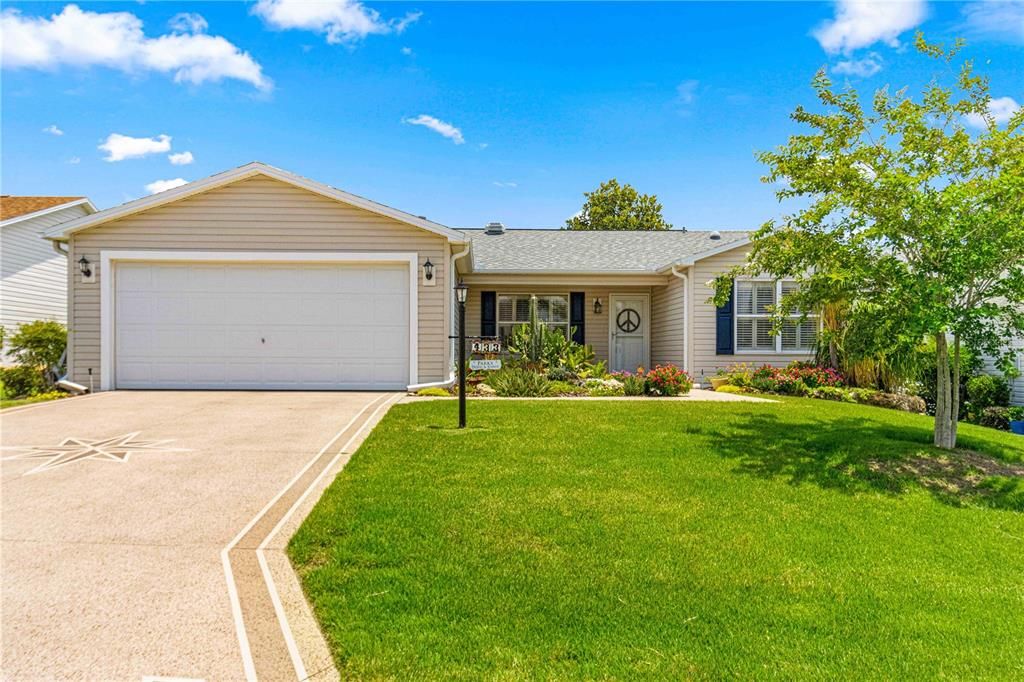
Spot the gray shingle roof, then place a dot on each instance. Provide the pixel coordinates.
(578, 251)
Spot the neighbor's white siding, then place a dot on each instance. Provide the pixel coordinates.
(705, 361)
(253, 215)
(34, 284)
(1016, 385)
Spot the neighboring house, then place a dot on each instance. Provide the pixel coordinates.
(256, 278)
(35, 284)
(1016, 384)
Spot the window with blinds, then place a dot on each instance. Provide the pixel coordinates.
(514, 310)
(754, 299)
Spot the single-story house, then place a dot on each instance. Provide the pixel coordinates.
(34, 275)
(257, 278)
(1016, 345)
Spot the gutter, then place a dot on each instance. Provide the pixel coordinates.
(687, 326)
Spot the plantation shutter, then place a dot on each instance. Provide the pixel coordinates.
(488, 313)
(577, 303)
(724, 343)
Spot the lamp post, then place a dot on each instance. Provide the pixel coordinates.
(460, 294)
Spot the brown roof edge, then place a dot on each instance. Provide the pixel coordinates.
(14, 206)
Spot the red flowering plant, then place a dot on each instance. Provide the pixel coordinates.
(668, 380)
(796, 379)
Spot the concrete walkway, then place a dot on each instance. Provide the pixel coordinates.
(142, 532)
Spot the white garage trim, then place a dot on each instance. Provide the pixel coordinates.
(108, 259)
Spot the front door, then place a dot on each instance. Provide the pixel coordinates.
(629, 327)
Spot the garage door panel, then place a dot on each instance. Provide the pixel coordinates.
(257, 326)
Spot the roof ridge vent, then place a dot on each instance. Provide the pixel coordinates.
(494, 228)
(715, 235)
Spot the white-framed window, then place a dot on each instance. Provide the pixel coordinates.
(753, 300)
(514, 310)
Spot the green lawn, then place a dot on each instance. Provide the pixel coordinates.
(667, 540)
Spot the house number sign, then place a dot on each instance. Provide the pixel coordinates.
(485, 346)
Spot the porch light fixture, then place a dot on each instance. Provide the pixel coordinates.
(83, 267)
(461, 290)
(428, 270)
(597, 306)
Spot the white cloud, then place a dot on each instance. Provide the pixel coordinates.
(438, 126)
(74, 160)
(115, 40)
(407, 51)
(164, 185)
(1000, 110)
(686, 92)
(188, 22)
(120, 147)
(180, 159)
(342, 21)
(510, 185)
(862, 68)
(53, 130)
(483, 145)
(862, 23)
(995, 19)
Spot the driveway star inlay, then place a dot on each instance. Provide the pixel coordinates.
(114, 449)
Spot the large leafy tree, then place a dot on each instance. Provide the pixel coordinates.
(911, 214)
(618, 207)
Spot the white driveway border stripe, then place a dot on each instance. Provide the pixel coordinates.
(236, 606)
(275, 598)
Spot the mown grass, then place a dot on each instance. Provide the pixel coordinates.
(663, 540)
(42, 398)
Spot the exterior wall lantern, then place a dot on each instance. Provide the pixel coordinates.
(83, 267)
(597, 306)
(428, 272)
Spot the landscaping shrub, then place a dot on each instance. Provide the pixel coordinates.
(668, 380)
(729, 388)
(632, 384)
(897, 401)
(563, 374)
(970, 365)
(984, 391)
(604, 387)
(995, 418)
(516, 382)
(564, 388)
(22, 382)
(434, 391)
(842, 395)
(39, 344)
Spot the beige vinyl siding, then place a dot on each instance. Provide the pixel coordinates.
(668, 325)
(34, 284)
(259, 214)
(596, 326)
(705, 361)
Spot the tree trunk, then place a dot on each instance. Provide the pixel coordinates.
(954, 412)
(833, 355)
(944, 418)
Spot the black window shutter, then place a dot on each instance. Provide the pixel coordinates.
(724, 343)
(577, 304)
(488, 313)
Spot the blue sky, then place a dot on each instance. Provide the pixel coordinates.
(541, 101)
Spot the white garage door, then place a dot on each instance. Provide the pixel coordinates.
(261, 326)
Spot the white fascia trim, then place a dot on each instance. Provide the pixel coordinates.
(107, 278)
(83, 202)
(249, 170)
(552, 271)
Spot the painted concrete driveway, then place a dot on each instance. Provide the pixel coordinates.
(130, 523)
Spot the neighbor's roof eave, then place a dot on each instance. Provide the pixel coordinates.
(65, 230)
(83, 202)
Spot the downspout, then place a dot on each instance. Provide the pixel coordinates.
(686, 317)
(451, 298)
(63, 381)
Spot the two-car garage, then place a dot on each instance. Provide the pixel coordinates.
(258, 279)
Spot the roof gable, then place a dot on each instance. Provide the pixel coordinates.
(239, 174)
